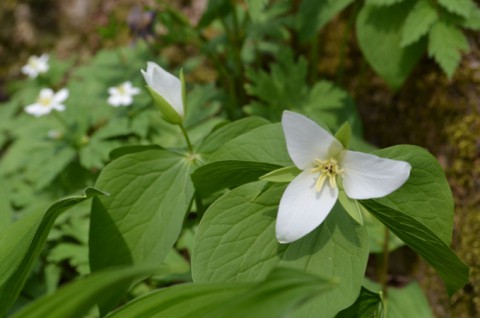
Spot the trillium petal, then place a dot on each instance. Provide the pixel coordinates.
(306, 141)
(169, 87)
(368, 176)
(302, 209)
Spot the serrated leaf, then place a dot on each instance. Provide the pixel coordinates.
(473, 20)
(446, 42)
(236, 243)
(313, 15)
(22, 243)
(424, 242)
(460, 7)
(76, 299)
(418, 22)
(142, 218)
(283, 290)
(383, 25)
(219, 175)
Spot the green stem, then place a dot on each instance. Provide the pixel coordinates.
(187, 139)
(384, 265)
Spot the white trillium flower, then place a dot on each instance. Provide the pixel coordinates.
(167, 92)
(122, 95)
(47, 101)
(36, 65)
(309, 198)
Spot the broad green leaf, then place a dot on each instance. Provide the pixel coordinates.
(379, 34)
(418, 22)
(142, 218)
(219, 175)
(229, 131)
(446, 42)
(313, 15)
(119, 152)
(426, 196)
(236, 243)
(403, 302)
(408, 302)
(76, 299)
(285, 174)
(376, 233)
(424, 242)
(263, 144)
(368, 304)
(283, 290)
(5, 207)
(473, 20)
(22, 243)
(460, 7)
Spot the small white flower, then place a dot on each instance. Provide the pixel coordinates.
(308, 199)
(122, 95)
(36, 65)
(166, 85)
(47, 101)
(54, 134)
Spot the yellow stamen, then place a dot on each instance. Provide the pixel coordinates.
(327, 169)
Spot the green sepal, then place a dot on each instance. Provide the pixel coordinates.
(285, 174)
(352, 207)
(343, 134)
(184, 90)
(168, 112)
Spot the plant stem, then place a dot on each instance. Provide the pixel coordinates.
(384, 265)
(187, 139)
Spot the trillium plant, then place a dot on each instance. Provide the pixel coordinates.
(327, 168)
(256, 218)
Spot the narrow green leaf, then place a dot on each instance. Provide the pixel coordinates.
(423, 241)
(22, 243)
(383, 24)
(419, 21)
(343, 134)
(76, 299)
(351, 206)
(285, 174)
(219, 175)
(283, 290)
(382, 2)
(446, 42)
(142, 218)
(236, 243)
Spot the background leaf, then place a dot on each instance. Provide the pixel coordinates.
(418, 22)
(236, 243)
(22, 243)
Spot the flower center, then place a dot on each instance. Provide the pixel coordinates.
(121, 90)
(45, 101)
(327, 169)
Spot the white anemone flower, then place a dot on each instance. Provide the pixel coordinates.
(122, 95)
(36, 65)
(325, 163)
(166, 90)
(47, 101)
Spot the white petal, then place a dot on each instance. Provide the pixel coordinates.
(148, 77)
(59, 107)
(134, 91)
(61, 96)
(169, 87)
(302, 209)
(46, 93)
(37, 110)
(113, 91)
(368, 176)
(306, 140)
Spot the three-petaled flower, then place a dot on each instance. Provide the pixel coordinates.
(36, 65)
(47, 101)
(122, 95)
(325, 166)
(167, 91)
